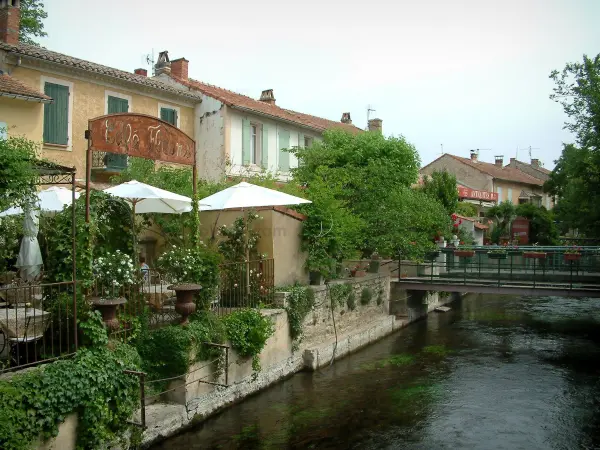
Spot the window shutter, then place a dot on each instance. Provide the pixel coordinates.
(117, 105)
(169, 115)
(301, 145)
(245, 142)
(265, 147)
(509, 195)
(3, 130)
(499, 191)
(284, 157)
(56, 114)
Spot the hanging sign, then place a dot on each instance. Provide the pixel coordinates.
(465, 192)
(142, 136)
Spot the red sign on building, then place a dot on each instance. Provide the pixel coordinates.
(465, 192)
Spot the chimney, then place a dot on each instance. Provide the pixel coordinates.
(179, 68)
(535, 163)
(163, 65)
(376, 125)
(10, 17)
(142, 72)
(499, 161)
(474, 155)
(267, 96)
(346, 118)
(513, 162)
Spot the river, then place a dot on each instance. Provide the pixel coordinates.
(496, 372)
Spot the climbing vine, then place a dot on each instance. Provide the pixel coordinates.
(300, 301)
(339, 293)
(365, 296)
(248, 331)
(351, 300)
(91, 384)
(169, 351)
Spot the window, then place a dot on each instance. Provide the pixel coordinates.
(56, 114)
(169, 115)
(509, 195)
(499, 191)
(113, 161)
(3, 130)
(255, 147)
(307, 141)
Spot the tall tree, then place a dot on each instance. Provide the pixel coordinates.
(32, 25)
(575, 179)
(442, 186)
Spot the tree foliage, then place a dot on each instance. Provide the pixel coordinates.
(575, 179)
(31, 24)
(360, 188)
(17, 172)
(466, 209)
(502, 215)
(541, 224)
(441, 185)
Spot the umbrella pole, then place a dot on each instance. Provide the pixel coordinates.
(247, 255)
(135, 258)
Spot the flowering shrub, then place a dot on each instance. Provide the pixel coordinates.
(190, 265)
(573, 250)
(114, 270)
(239, 238)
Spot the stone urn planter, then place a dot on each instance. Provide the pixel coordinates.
(185, 305)
(572, 256)
(108, 309)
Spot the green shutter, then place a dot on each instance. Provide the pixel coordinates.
(56, 114)
(117, 105)
(265, 147)
(301, 145)
(284, 157)
(245, 142)
(169, 115)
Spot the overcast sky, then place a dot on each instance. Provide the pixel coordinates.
(463, 73)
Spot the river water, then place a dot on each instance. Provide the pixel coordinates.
(496, 372)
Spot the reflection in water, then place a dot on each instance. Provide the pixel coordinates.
(496, 372)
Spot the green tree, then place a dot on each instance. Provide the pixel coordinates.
(503, 215)
(575, 180)
(441, 185)
(466, 209)
(541, 224)
(18, 176)
(32, 25)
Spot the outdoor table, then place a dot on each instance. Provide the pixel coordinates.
(156, 294)
(24, 323)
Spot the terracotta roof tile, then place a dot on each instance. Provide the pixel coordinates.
(244, 102)
(33, 51)
(502, 173)
(10, 86)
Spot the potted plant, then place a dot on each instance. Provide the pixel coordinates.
(356, 271)
(464, 252)
(375, 262)
(572, 254)
(514, 251)
(534, 254)
(111, 273)
(184, 267)
(497, 253)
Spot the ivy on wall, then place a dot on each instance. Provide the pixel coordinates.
(248, 331)
(91, 384)
(300, 301)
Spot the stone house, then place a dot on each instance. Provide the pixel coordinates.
(507, 182)
(237, 134)
(534, 169)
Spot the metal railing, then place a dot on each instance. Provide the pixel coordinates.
(532, 266)
(38, 323)
(245, 285)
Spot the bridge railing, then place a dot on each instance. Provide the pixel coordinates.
(567, 267)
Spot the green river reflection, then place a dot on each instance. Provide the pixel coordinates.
(496, 372)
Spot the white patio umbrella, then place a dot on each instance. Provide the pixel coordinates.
(245, 196)
(29, 260)
(144, 198)
(53, 199)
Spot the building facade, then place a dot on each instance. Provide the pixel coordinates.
(501, 183)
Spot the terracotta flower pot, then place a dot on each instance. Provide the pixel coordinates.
(108, 309)
(572, 256)
(357, 273)
(185, 305)
(464, 253)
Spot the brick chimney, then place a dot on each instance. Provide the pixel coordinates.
(513, 162)
(163, 65)
(179, 68)
(267, 96)
(535, 163)
(499, 161)
(346, 118)
(142, 72)
(376, 125)
(474, 155)
(10, 18)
